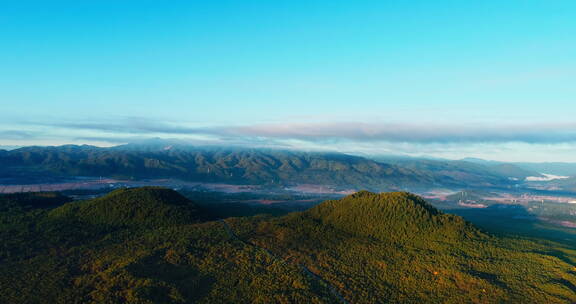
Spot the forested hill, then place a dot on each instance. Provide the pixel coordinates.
(230, 165)
(151, 245)
(397, 248)
(389, 216)
(139, 207)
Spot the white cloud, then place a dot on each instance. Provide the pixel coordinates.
(513, 142)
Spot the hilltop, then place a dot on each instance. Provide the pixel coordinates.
(389, 216)
(146, 206)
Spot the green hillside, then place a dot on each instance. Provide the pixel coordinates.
(396, 248)
(147, 206)
(132, 246)
(151, 245)
(389, 216)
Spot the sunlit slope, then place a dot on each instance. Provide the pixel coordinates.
(396, 248)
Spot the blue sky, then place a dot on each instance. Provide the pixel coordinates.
(490, 79)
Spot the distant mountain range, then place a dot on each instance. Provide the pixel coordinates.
(470, 171)
(556, 168)
(251, 166)
(152, 245)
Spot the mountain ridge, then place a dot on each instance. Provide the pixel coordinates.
(273, 168)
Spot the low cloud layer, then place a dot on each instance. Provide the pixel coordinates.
(127, 126)
(414, 133)
(514, 142)
(419, 133)
(16, 134)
